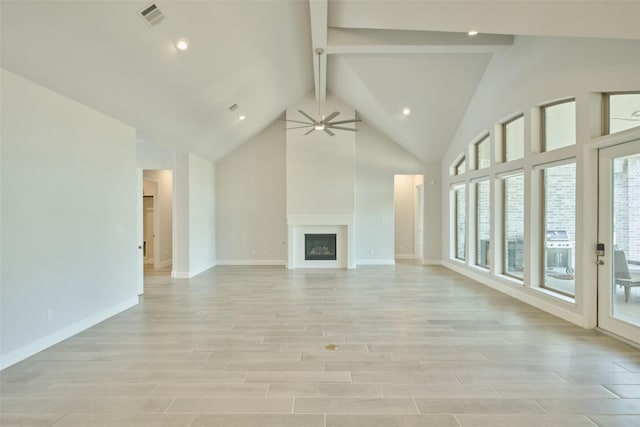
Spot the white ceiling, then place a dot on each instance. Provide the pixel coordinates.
(383, 55)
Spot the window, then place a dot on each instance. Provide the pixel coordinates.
(559, 125)
(622, 111)
(559, 216)
(461, 167)
(482, 153)
(483, 223)
(513, 255)
(513, 139)
(460, 225)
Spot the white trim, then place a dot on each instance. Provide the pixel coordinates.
(509, 173)
(376, 262)
(405, 256)
(181, 275)
(554, 163)
(431, 262)
(520, 294)
(250, 262)
(34, 347)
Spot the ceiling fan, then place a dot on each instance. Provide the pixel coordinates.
(321, 122)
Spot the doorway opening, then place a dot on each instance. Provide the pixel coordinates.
(157, 221)
(408, 202)
(619, 251)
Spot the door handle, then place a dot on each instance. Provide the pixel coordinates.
(600, 262)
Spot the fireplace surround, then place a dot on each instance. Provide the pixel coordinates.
(339, 225)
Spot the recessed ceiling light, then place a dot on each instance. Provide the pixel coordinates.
(406, 111)
(473, 33)
(242, 117)
(182, 44)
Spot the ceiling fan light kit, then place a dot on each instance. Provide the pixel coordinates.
(321, 123)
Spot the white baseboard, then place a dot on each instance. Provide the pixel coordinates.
(190, 274)
(558, 307)
(30, 349)
(376, 262)
(279, 262)
(431, 262)
(405, 256)
(181, 275)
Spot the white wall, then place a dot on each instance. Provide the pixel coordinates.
(251, 220)
(180, 263)
(194, 208)
(202, 226)
(154, 156)
(320, 168)
(164, 206)
(403, 202)
(68, 218)
(432, 215)
(532, 72)
(250, 198)
(378, 159)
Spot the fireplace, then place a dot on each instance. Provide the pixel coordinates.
(319, 247)
(340, 226)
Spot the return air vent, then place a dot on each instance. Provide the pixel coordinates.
(151, 15)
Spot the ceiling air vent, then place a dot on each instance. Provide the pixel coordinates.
(151, 15)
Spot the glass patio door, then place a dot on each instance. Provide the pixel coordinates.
(619, 231)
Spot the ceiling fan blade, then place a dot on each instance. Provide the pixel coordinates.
(326, 129)
(298, 127)
(341, 122)
(331, 116)
(310, 130)
(339, 128)
(296, 121)
(307, 116)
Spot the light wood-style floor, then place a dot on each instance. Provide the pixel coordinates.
(240, 346)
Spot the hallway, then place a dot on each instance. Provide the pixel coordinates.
(403, 345)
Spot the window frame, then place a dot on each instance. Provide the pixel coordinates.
(504, 138)
(455, 188)
(485, 138)
(543, 123)
(505, 247)
(477, 263)
(456, 167)
(543, 224)
(606, 109)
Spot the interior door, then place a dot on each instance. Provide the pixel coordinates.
(619, 231)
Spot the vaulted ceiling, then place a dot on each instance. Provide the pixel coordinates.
(380, 57)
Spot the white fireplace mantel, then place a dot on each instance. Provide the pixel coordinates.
(341, 225)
